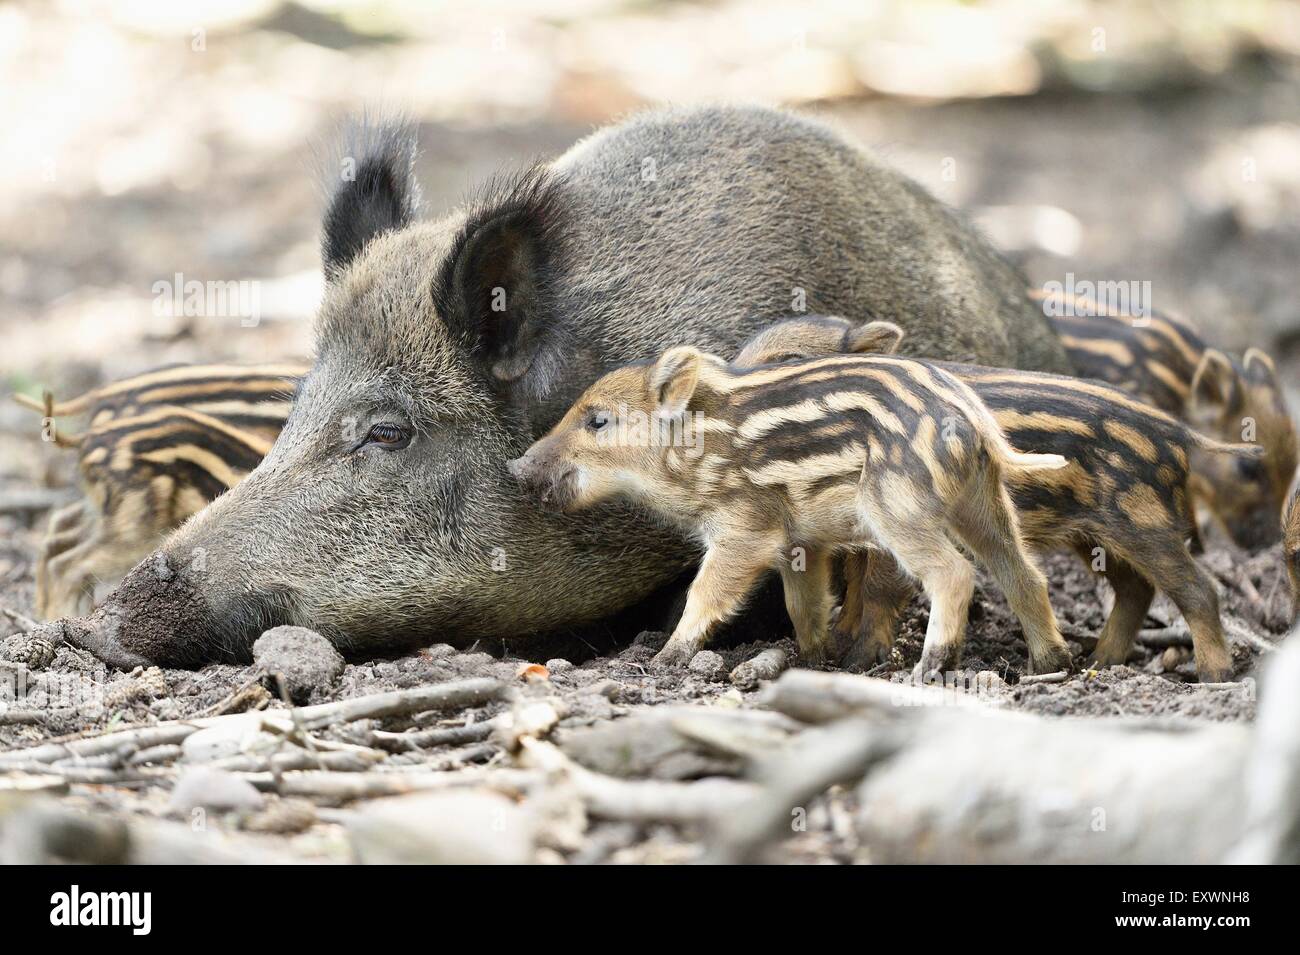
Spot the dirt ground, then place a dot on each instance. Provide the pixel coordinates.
(1145, 187)
(76, 696)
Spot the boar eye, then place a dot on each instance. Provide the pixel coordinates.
(597, 420)
(388, 436)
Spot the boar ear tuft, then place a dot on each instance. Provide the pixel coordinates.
(373, 188)
(673, 379)
(879, 338)
(1214, 384)
(494, 288)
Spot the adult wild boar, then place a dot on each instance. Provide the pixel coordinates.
(384, 515)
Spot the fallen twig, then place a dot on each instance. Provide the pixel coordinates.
(345, 787)
(45, 834)
(440, 696)
(20, 782)
(1029, 679)
(138, 738)
(24, 621)
(296, 758)
(1236, 631)
(95, 775)
(30, 500)
(155, 754)
(1237, 579)
(12, 717)
(815, 697)
(1175, 636)
(428, 739)
(639, 800)
(840, 753)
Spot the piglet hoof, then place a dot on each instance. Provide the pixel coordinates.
(866, 654)
(1098, 663)
(935, 664)
(1052, 660)
(924, 677)
(1104, 656)
(675, 655)
(1214, 674)
(818, 656)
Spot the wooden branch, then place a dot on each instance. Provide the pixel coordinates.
(30, 500)
(429, 739)
(1272, 777)
(166, 753)
(815, 697)
(638, 800)
(296, 758)
(21, 619)
(971, 784)
(38, 782)
(14, 717)
(1236, 578)
(1234, 630)
(457, 694)
(819, 759)
(135, 739)
(1175, 636)
(44, 834)
(93, 775)
(449, 695)
(346, 787)
(1029, 679)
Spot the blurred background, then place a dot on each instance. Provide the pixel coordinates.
(146, 140)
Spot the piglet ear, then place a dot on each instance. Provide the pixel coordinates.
(880, 338)
(1215, 387)
(373, 189)
(673, 380)
(1259, 368)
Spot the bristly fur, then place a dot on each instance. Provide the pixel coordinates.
(382, 195)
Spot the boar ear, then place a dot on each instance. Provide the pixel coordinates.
(880, 338)
(673, 379)
(1259, 368)
(1214, 385)
(374, 189)
(493, 290)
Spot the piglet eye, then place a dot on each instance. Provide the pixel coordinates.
(598, 420)
(389, 436)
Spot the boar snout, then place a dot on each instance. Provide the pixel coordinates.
(547, 480)
(161, 615)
